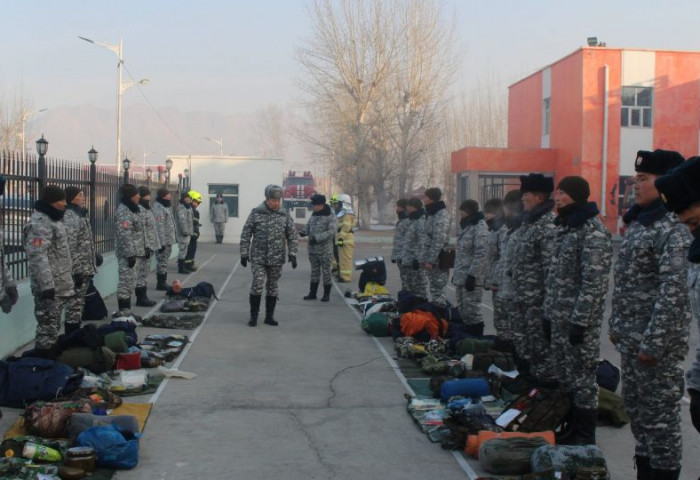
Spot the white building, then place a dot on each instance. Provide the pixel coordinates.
(241, 180)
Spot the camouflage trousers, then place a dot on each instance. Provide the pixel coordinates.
(162, 260)
(143, 271)
(183, 243)
(48, 317)
(402, 275)
(219, 228)
(416, 281)
(529, 340)
(320, 266)
(265, 276)
(128, 276)
(502, 312)
(469, 304)
(437, 280)
(652, 399)
(575, 365)
(74, 307)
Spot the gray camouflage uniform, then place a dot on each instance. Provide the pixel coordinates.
(219, 216)
(398, 246)
(165, 226)
(153, 244)
(82, 250)
(692, 377)
(530, 259)
(576, 287)
(184, 223)
(50, 267)
(131, 242)
(266, 236)
(321, 231)
(651, 313)
(504, 305)
(6, 279)
(436, 236)
(470, 259)
(416, 278)
(497, 235)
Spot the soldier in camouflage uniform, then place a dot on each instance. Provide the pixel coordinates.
(165, 225)
(148, 220)
(436, 236)
(400, 238)
(651, 319)
(495, 220)
(575, 290)
(412, 254)
(83, 254)
(470, 265)
(131, 244)
(50, 267)
(219, 216)
(529, 270)
(8, 287)
(321, 231)
(502, 286)
(184, 224)
(267, 234)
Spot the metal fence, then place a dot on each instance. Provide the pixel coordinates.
(27, 176)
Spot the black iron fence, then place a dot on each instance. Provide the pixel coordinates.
(27, 176)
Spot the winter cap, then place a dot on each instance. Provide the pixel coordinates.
(72, 192)
(513, 200)
(144, 191)
(658, 162)
(401, 203)
(470, 206)
(536, 182)
(162, 192)
(680, 188)
(52, 193)
(185, 195)
(575, 187)
(414, 202)
(128, 190)
(318, 199)
(433, 193)
(273, 191)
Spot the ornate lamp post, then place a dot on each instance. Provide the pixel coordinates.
(42, 146)
(149, 177)
(126, 163)
(168, 167)
(92, 156)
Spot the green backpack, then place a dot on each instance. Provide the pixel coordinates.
(377, 324)
(508, 456)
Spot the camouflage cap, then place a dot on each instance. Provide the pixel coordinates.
(273, 191)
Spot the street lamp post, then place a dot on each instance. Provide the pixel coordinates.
(145, 154)
(92, 156)
(126, 163)
(220, 142)
(186, 181)
(26, 116)
(149, 177)
(168, 167)
(42, 146)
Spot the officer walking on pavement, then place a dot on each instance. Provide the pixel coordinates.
(575, 291)
(320, 230)
(153, 245)
(436, 236)
(131, 244)
(651, 319)
(165, 225)
(412, 255)
(184, 224)
(219, 216)
(400, 238)
(267, 237)
(8, 287)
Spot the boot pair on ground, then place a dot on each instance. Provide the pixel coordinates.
(314, 289)
(186, 266)
(646, 472)
(219, 238)
(142, 300)
(270, 303)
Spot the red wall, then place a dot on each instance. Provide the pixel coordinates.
(525, 113)
(504, 160)
(567, 109)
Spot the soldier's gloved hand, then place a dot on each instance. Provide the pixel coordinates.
(470, 283)
(244, 261)
(398, 262)
(312, 240)
(302, 234)
(11, 292)
(695, 408)
(48, 294)
(293, 261)
(339, 242)
(393, 261)
(161, 250)
(547, 329)
(78, 280)
(98, 259)
(148, 253)
(576, 334)
(131, 261)
(195, 234)
(416, 264)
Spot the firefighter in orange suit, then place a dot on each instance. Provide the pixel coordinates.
(345, 238)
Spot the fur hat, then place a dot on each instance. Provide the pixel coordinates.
(162, 192)
(470, 206)
(414, 202)
(273, 191)
(658, 162)
(72, 192)
(128, 190)
(680, 188)
(401, 203)
(575, 187)
(318, 199)
(434, 193)
(144, 191)
(536, 182)
(52, 193)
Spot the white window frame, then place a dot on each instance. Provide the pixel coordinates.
(628, 112)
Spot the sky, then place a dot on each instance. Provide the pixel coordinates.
(237, 56)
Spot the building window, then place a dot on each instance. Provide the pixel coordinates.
(637, 107)
(230, 194)
(546, 115)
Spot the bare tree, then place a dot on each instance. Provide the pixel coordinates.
(273, 130)
(14, 110)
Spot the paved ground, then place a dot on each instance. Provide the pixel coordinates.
(313, 398)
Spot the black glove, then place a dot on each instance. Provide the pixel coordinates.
(339, 242)
(244, 261)
(195, 235)
(98, 259)
(416, 264)
(131, 261)
(49, 294)
(547, 329)
(293, 261)
(312, 241)
(393, 261)
(302, 234)
(12, 293)
(398, 262)
(470, 283)
(695, 408)
(148, 253)
(78, 280)
(576, 334)
(161, 249)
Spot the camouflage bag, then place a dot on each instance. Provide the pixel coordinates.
(178, 322)
(569, 460)
(509, 456)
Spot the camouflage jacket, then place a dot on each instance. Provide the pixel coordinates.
(497, 233)
(264, 236)
(503, 275)
(6, 279)
(532, 254)
(131, 235)
(218, 213)
(399, 237)
(436, 233)
(320, 231)
(577, 281)
(82, 247)
(650, 305)
(413, 241)
(472, 250)
(693, 375)
(184, 220)
(346, 224)
(148, 220)
(48, 252)
(165, 225)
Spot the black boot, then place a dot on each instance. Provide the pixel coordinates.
(312, 291)
(142, 299)
(270, 303)
(644, 471)
(72, 327)
(50, 353)
(254, 310)
(665, 474)
(162, 282)
(583, 433)
(181, 267)
(189, 265)
(123, 305)
(326, 292)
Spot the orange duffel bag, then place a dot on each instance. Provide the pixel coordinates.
(475, 441)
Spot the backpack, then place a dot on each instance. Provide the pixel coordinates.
(536, 411)
(509, 456)
(611, 408)
(49, 419)
(377, 324)
(87, 336)
(28, 379)
(568, 459)
(373, 270)
(94, 307)
(97, 360)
